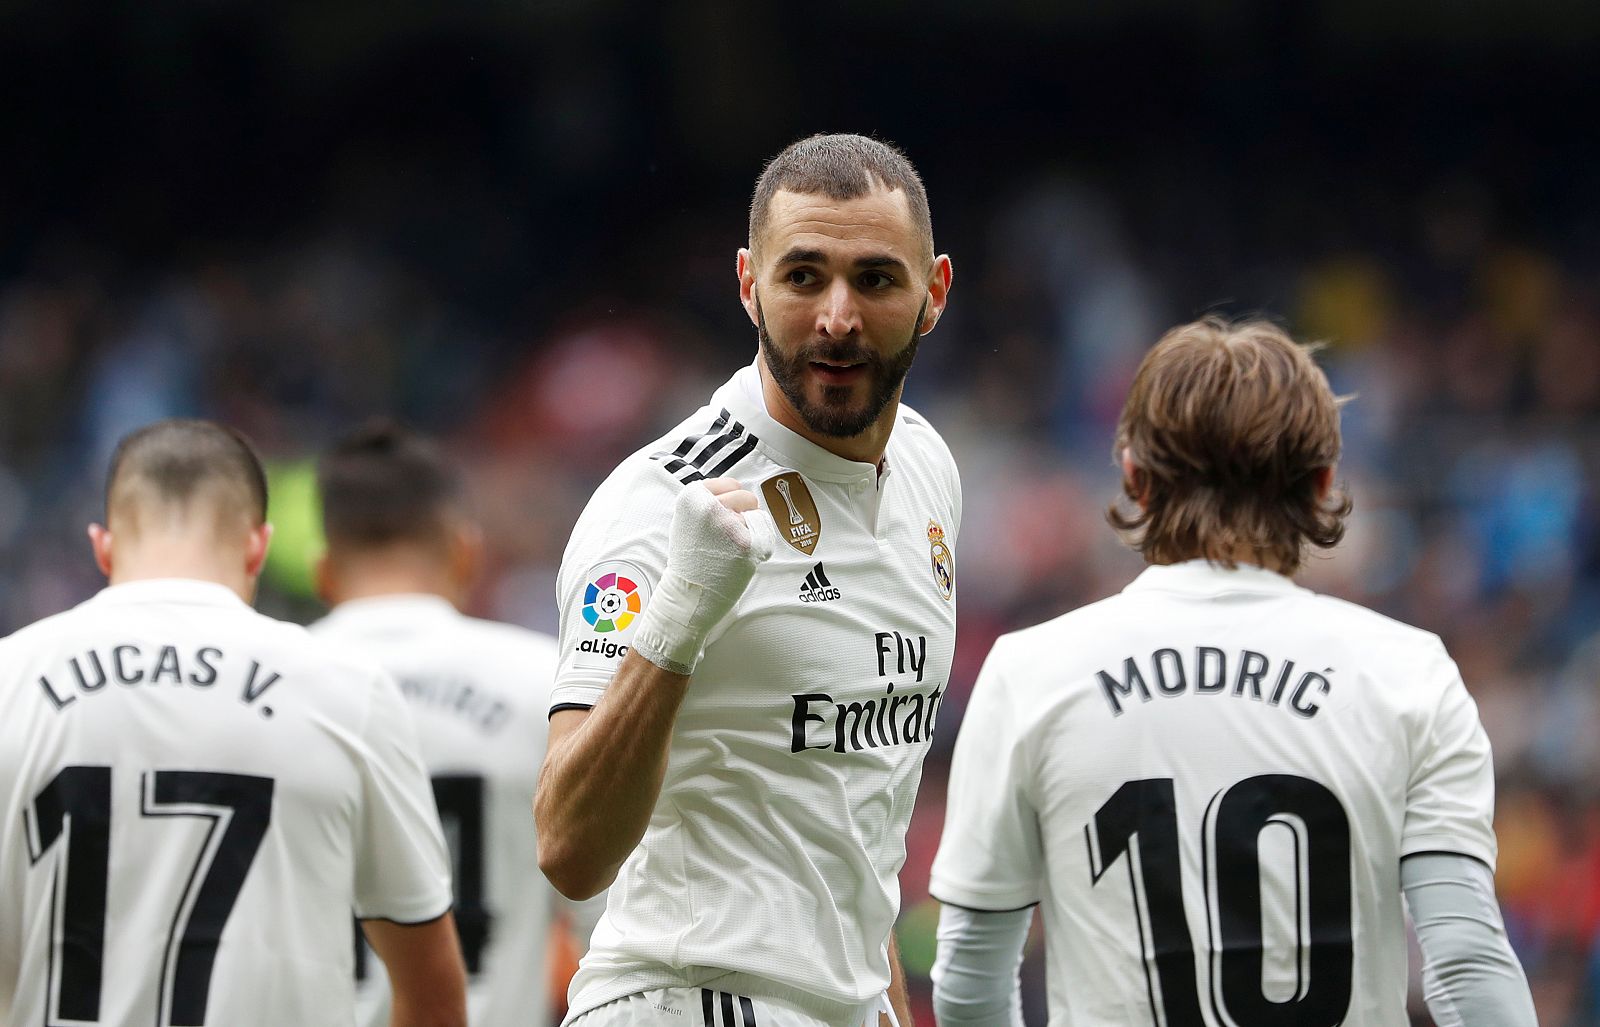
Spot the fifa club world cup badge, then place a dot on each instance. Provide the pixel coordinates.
(793, 511)
(944, 564)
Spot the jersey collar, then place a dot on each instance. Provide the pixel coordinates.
(405, 607)
(1202, 577)
(188, 591)
(742, 395)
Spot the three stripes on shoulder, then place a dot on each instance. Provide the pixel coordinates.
(706, 447)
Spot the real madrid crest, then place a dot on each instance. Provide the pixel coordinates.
(944, 564)
(793, 511)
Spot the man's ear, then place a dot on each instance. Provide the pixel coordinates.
(1133, 482)
(466, 558)
(255, 550)
(100, 543)
(938, 293)
(745, 265)
(325, 581)
(1322, 481)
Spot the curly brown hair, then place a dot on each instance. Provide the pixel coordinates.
(1227, 426)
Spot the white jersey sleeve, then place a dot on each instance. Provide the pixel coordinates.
(613, 560)
(1450, 799)
(991, 856)
(402, 865)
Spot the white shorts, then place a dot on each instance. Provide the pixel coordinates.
(707, 1007)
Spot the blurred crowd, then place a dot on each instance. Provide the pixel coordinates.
(1471, 365)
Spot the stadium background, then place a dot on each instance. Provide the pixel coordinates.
(513, 225)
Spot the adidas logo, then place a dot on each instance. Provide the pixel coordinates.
(817, 588)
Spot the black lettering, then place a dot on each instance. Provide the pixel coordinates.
(254, 691)
(918, 654)
(167, 665)
(913, 731)
(121, 669)
(1157, 660)
(883, 707)
(99, 672)
(209, 678)
(1252, 668)
(1298, 702)
(1283, 680)
(900, 653)
(933, 711)
(894, 711)
(883, 650)
(55, 700)
(1111, 688)
(495, 718)
(803, 716)
(861, 712)
(1205, 657)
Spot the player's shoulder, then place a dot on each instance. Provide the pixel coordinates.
(504, 639)
(1380, 633)
(316, 651)
(41, 634)
(650, 477)
(1067, 635)
(919, 436)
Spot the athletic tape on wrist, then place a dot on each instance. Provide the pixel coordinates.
(666, 635)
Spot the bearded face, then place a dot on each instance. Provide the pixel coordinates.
(838, 387)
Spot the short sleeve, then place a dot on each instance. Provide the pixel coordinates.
(402, 864)
(1450, 799)
(615, 557)
(991, 856)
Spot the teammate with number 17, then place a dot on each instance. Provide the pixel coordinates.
(739, 723)
(1217, 783)
(197, 796)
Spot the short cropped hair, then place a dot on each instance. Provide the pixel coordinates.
(384, 484)
(1226, 425)
(841, 167)
(179, 459)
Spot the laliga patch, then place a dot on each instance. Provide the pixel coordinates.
(944, 562)
(614, 596)
(793, 511)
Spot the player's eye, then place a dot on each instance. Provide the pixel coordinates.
(876, 281)
(801, 277)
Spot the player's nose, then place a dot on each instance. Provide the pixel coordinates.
(840, 315)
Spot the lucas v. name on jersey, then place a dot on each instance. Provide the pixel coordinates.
(132, 666)
(893, 718)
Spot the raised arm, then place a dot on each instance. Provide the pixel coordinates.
(604, 767)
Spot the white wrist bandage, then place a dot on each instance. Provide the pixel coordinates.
(712, 553)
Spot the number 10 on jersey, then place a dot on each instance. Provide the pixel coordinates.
(1139, 825)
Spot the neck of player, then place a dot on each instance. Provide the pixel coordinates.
(162, 556)
(389, 572)
(1242, 556)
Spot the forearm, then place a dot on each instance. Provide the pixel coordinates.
(975, 982)
(899, 997)
(1470, 975)
(601, 780)
(427, 980)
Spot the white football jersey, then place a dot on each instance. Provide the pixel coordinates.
(479, 693)
(771, 861)
(196, 798)
(1209, 781)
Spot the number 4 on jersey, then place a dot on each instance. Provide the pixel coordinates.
(1146, 810)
